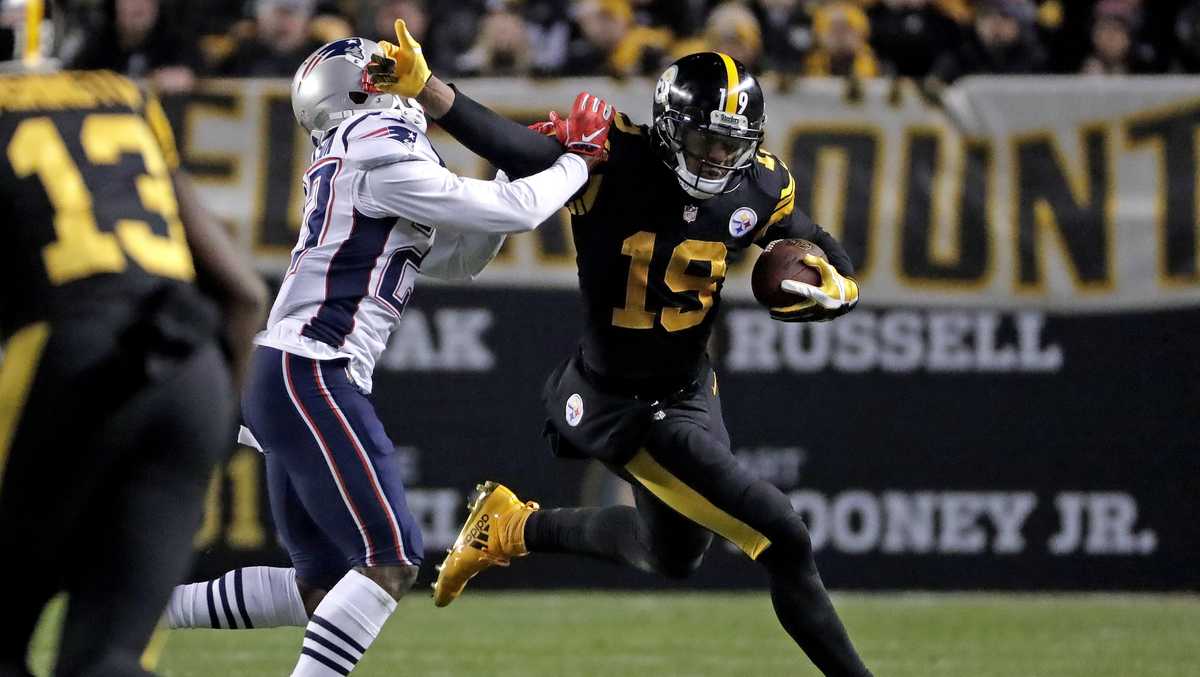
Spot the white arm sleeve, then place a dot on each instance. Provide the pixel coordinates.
(460, 256)
(424, 192)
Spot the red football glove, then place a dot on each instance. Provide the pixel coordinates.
(548, 127)
(586, 129)
(585, 132)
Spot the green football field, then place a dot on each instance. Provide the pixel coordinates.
(663, 634)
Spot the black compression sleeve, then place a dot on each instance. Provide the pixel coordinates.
(509, 145)
(833, 250)
(798, 225)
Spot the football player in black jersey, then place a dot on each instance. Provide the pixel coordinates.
(115, 397)
(652, 230)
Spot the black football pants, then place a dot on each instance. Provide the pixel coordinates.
(688, 485)
(109, 447)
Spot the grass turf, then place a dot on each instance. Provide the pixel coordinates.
(664, 634)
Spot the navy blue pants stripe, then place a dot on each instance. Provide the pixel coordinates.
(295, 378)
(333, 477)
(325, 374)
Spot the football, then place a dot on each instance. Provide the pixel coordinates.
(783, 260)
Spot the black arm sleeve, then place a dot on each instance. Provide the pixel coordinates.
(509, 145)
(797, 225)
(833, 250)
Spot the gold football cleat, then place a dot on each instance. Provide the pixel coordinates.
(493, 534)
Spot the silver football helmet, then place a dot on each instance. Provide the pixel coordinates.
(332, 85)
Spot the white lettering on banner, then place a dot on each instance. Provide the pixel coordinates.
(1009, 512)
(968, 522)
(898, 341)
(436, 511)
(948, 342)
(409, 460)
(911, 524)
(960, 532)
(1100, 523)
(778, 465)
(856, 522)
(953, 522)
(453, 342)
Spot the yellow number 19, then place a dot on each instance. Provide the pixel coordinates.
(639, 247)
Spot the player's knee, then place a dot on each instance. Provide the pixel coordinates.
(683, 558)
(796, 538)
(783, 526)
(791, 549)
(395, 580)
(678, 568)
(311, 595)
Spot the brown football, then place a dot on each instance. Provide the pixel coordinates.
(783, 260)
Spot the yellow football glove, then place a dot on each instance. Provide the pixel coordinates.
(836, 296)
(401, 69)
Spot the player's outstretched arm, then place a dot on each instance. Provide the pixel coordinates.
(224, 273)
(507, 144)
(423, 191)
(402, 70)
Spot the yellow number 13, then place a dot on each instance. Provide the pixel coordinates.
(81, 249)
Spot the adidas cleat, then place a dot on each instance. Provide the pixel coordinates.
(493, 534)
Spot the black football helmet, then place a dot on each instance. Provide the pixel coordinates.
(709, 114)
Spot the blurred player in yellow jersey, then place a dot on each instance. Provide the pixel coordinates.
(116, 394)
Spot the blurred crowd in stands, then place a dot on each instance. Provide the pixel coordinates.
(933, 41)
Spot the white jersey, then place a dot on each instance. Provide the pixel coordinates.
(380, 208)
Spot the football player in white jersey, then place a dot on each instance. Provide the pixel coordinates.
(380, 208)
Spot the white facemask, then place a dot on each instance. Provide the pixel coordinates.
(697, 186)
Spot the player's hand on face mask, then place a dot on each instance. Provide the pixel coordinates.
(585, 131)
(401, 68)
(836, 296)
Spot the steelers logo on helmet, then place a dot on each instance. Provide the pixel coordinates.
(663, 89)
(708, 122)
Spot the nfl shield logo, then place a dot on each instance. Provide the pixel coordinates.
(689, 213)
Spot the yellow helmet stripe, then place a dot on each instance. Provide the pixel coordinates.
(731, 77)
(34, 12)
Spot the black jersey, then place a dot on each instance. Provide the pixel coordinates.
(86, 193)
(652, 260)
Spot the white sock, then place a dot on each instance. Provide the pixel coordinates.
(343, 626)
(253, 597)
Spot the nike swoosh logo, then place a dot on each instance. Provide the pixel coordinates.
(587, 138)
